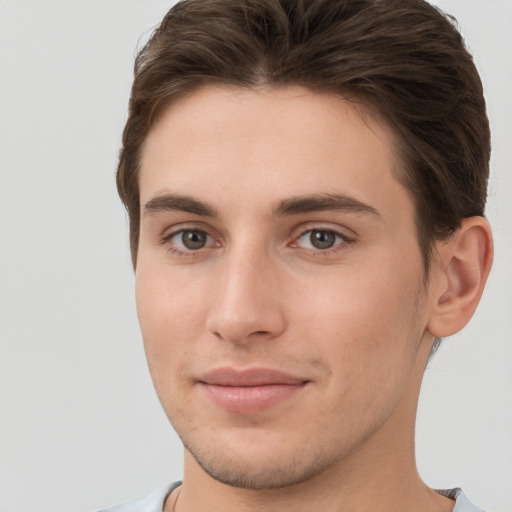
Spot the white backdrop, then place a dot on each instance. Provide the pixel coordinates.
(80, 426)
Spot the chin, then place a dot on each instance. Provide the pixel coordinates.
(260, 468)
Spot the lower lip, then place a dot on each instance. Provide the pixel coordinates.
(246, 399)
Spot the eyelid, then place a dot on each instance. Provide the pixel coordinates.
(188, 225)
(184, 225)
(348, 237)
(169, 233)
(343, 231)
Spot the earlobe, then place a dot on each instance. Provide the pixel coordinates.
(464, 264)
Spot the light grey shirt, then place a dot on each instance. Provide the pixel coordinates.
(155, 501)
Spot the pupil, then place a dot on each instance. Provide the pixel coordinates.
(322, 239)
(193, 239)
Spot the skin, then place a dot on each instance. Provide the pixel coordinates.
(355, 321)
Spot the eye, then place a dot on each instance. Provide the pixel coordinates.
(320, 239)
(189, 240)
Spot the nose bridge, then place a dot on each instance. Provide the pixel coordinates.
(246, 303)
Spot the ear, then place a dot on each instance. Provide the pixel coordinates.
(462, 267)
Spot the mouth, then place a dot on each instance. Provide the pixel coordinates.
(253, 390)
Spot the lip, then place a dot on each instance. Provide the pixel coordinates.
(249, 390)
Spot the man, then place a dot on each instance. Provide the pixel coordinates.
(306, 182)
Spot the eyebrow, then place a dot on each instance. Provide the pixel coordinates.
(323, 202)
(175, 202)
(291, 206)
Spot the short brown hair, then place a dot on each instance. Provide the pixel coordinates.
(403, 58)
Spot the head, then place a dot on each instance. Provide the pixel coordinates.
(401, 59)
(302, 180)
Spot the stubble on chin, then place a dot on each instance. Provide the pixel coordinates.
(260, 470)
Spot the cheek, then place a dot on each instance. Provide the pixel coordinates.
(369, 336)
(369, 308)
(171, 316)
(366, 324)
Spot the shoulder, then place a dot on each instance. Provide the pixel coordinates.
(462, 504)
(154, 502)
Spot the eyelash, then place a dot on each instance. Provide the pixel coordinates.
(166, 241)
(338, 246)
(345, 241)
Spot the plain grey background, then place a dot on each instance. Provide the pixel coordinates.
(80, 425)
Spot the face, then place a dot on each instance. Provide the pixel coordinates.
(279, 281)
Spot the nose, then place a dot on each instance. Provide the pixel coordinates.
(247, 305)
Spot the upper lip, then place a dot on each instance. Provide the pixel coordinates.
(228, 376)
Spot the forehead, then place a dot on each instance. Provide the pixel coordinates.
(268, 144)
